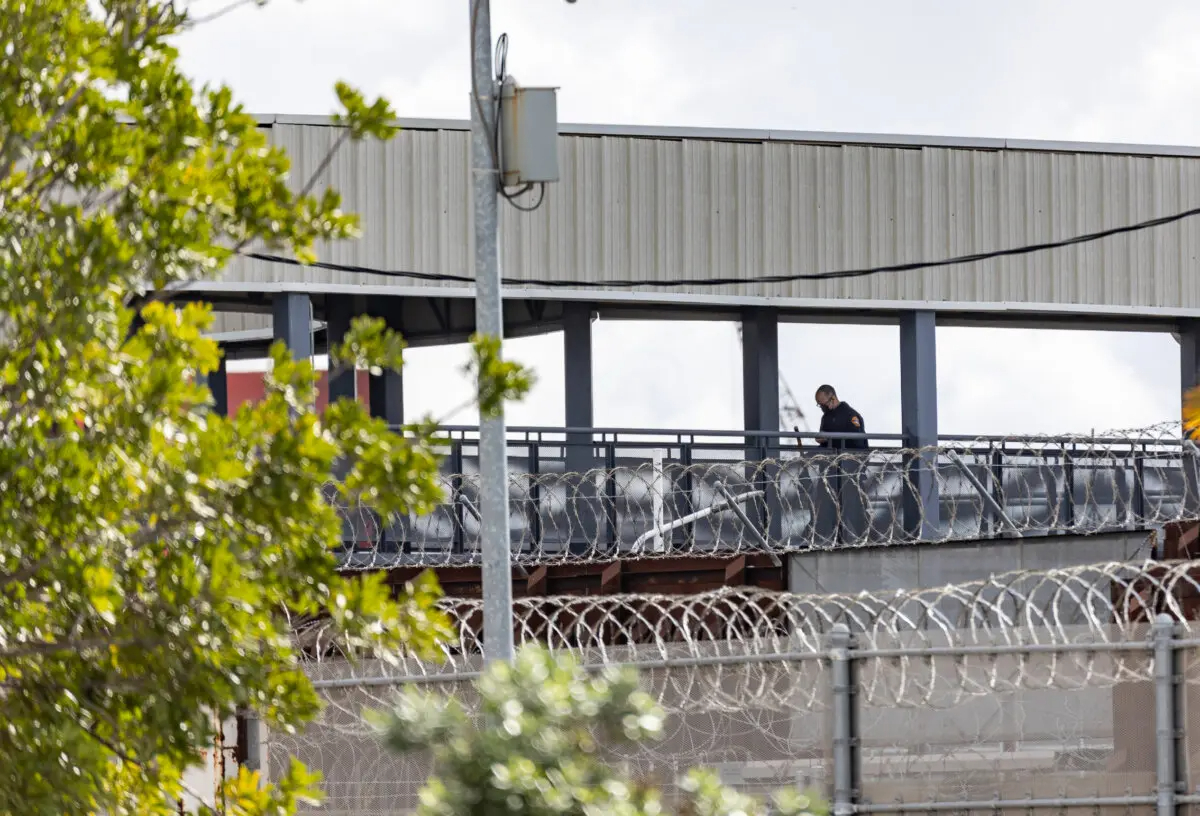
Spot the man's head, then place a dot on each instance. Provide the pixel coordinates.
(827, 398)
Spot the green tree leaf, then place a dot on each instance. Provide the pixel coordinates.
(154, 555)
(497, 380)
(539, 746)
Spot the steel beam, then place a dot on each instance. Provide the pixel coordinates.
(385, 391)
(386, 395)
(292, 322)
(1189, 378)
(218, 386)
(339, 311)
(579, 412)
(577, 362)
(918, 417)
(760, 409)
(760, 369)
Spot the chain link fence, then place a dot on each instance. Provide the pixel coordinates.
(1072, 689)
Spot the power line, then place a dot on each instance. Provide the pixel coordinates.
(911, 266)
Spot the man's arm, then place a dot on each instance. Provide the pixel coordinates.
(824, 427)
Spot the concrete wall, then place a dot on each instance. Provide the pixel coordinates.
(922, 566)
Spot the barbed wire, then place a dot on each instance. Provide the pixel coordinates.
(788, 501)
(723, 650)
(1026, 671)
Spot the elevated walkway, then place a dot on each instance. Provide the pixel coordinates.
(776, 511)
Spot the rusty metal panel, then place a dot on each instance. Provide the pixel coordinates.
(661, 209)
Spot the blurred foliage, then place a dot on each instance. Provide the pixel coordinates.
(152, 553)
(1191, 413)
(537, 747)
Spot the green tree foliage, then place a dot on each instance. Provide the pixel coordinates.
(536, 748)
(151, 552)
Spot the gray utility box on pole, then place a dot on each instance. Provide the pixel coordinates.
(528, 134)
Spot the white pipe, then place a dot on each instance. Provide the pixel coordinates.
(716, 507)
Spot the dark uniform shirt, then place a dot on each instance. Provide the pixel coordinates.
(844, 419)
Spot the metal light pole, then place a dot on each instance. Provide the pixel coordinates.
(489, 320)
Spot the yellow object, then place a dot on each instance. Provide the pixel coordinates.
(1191, 413)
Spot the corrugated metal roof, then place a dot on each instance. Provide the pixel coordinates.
(657, 208)
(773, 135)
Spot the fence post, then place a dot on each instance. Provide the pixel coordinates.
(250, 741)
(845, 727)
(658, 491)
(1162, 635)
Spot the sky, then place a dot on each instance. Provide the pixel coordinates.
(1085, 70)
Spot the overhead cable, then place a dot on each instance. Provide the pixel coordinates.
(559, 283)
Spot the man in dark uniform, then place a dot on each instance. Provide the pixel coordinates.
(841, 512)
(839, 417)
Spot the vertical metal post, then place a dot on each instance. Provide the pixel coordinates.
(1139, 484)
(845, 738)
(292, 323)
(489, 320)
(918, 416)
(218, 386)
(760, 372)
(684, 503)
(611, 518)
(386, 397)
(1068, 489)
(760, 408)
(535, 497)
(1189, 378)
(458, 541)
(385, 391)
(1162, 633)
(658, 490)
(339, 312)
(580, 451)
(254, 758)
(577, 371)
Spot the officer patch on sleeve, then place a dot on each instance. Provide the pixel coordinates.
(854, 421)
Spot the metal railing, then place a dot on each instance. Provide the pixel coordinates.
(591, 494)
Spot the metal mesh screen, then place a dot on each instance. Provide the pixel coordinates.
(778, 737)
(1033, 691)
(973, 728)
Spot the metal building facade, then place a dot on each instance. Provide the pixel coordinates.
(661, 205)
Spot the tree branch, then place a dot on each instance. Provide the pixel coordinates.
(325, 162)
(234, 5)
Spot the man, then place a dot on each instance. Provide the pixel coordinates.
(842, 511)
(839, 417)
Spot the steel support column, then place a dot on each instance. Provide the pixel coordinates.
(386, 395)
(580, 452)
(918, 417)
(760, 408)
(1189, 378)
(760, 370)
(218, 386)
(339, 311)
(577, 362)
(292, 323)
(1166, 725)
(844, 708)
(385, 391)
